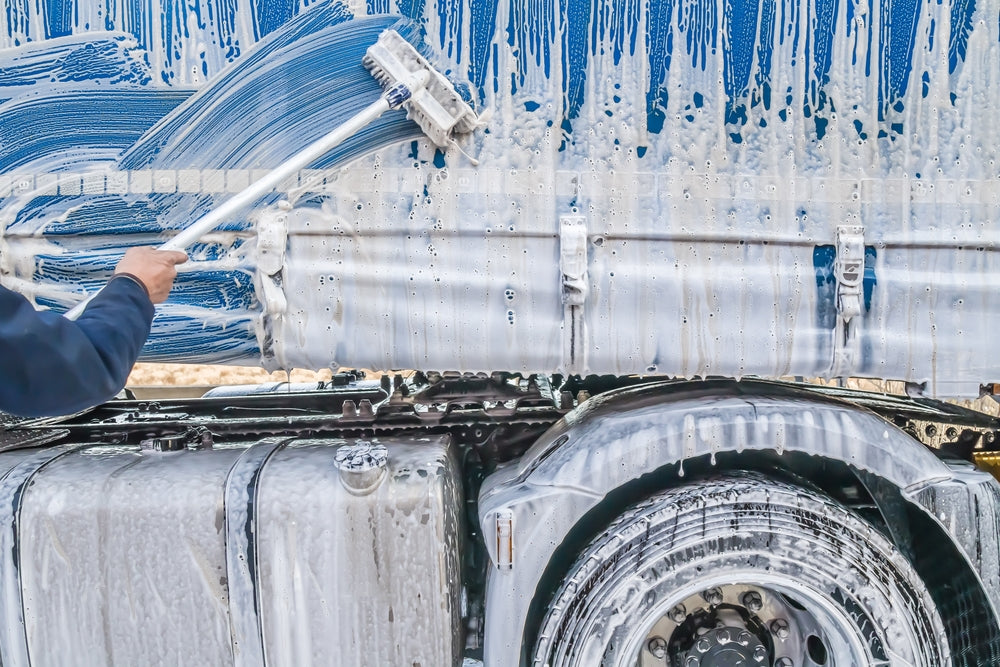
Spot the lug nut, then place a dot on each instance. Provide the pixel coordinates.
(760, 654)
(753, 601)
(703, 645)
(658, 647)
(744, 638)
(678, 614)
(723, 636)
(779, 627)
(692, 661)
(712, 596)
(784, 662)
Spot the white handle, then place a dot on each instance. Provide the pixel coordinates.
(259, 188)
(78, 309)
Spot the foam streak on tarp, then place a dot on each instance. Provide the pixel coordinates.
(186, 42)
(301, 81)
(38, 127)
(764, 127)
(108, 56)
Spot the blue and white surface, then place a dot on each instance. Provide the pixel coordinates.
(658, 189)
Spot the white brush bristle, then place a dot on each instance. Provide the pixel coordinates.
(437, 107)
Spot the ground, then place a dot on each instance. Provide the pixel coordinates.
(162, 380)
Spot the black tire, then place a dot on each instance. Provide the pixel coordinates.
(672, 582)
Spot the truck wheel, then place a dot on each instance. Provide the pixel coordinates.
(741, 570)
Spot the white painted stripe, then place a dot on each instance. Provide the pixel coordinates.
(521, 183)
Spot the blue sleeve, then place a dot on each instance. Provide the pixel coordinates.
(50, 365)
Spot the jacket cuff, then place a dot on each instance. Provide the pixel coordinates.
(134, 279)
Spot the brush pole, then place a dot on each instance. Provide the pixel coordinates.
(259, 188)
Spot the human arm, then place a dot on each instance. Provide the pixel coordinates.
(50, 365)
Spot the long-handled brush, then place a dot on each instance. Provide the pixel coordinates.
(408, 80)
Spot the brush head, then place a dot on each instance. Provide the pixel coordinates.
(435, 106)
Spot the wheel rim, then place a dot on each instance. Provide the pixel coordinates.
(847, 596)
(770, 622)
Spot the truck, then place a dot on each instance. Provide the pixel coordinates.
(594, 395)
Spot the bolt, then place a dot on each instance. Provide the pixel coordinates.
(703, 645)
(678, 614)
(753, 601)
(952, 432)
(712, 596)
(657, 646)
(744, 638)
(759, 654)
(779, 627)
(723, 635)
(784, 662)
(930, 430)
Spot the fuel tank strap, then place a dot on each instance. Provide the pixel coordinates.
(13, 483)
(241, 551)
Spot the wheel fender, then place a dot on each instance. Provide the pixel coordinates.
(527, 510)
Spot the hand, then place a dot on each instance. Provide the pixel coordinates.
(154, 268)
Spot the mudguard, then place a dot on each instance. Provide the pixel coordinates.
(527, 510)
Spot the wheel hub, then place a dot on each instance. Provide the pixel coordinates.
(718, 635)
(728, 646)
(736, 626)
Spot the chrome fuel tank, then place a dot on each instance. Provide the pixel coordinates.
(284, 551)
